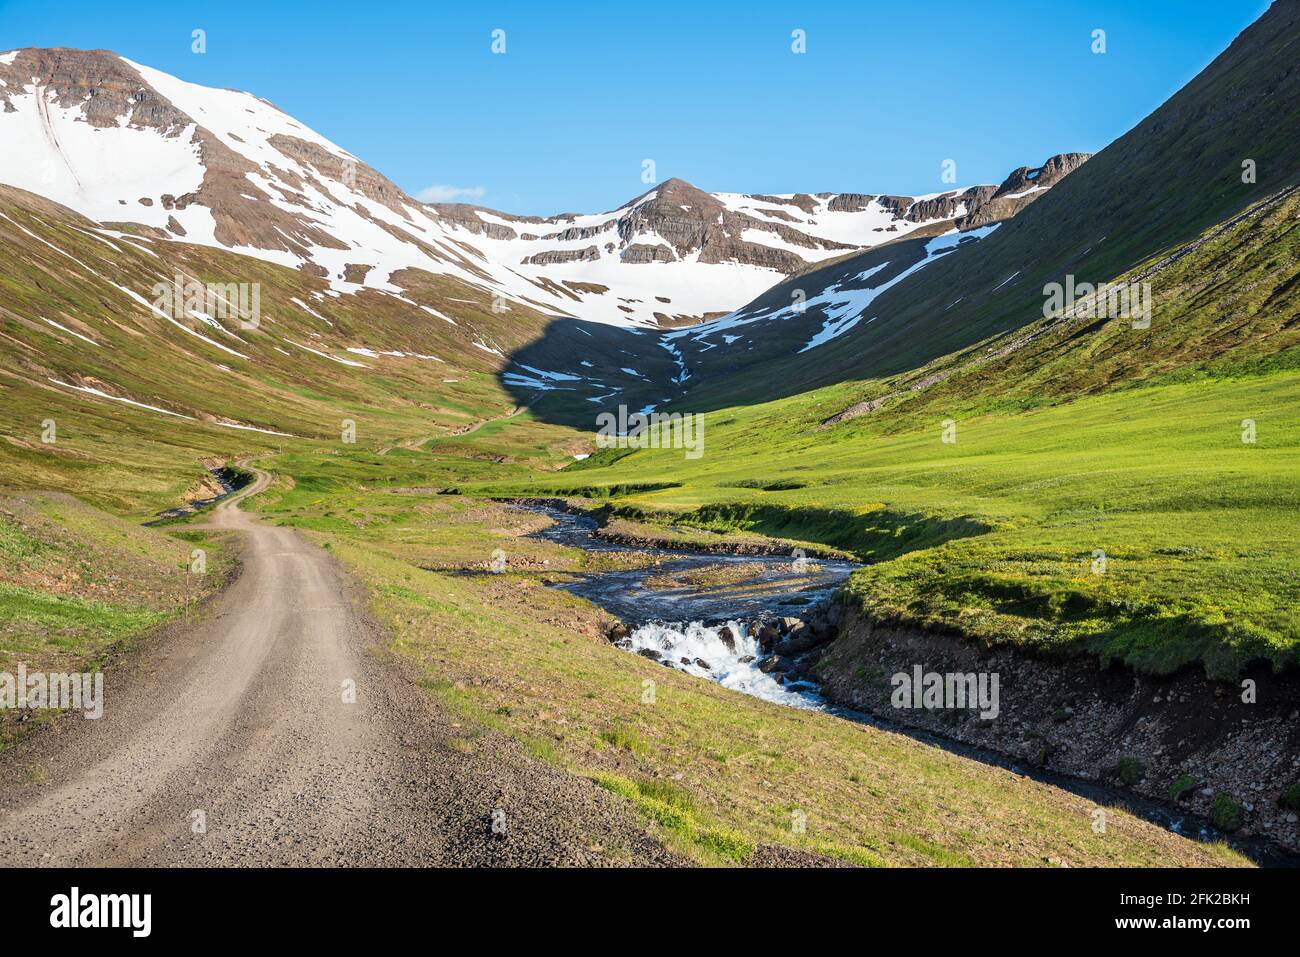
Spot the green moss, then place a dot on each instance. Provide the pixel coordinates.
(1182, 786)
(1129, 770)
(1290, 798)
(1226, 812)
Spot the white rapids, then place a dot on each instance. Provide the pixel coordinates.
(684, 645)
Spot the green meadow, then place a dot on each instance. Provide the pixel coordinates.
(715, 773)
(1187, 514)
(1157, 526)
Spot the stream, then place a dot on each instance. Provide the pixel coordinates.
(230, 482)
(707, 630)
(684, 627)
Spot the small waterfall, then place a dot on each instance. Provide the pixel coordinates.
(705, 651)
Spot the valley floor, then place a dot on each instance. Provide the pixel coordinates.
(720, 774)
(995, 533)
(276, 731)
(363, 658)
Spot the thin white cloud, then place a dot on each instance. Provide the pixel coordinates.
(438, 193)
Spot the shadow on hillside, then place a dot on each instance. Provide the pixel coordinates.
(577, 370)
(1155, 190)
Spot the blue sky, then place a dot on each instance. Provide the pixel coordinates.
(710, 91)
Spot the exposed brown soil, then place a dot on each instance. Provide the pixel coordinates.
(1080, 719)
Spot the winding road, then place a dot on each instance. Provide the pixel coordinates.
(233, 740)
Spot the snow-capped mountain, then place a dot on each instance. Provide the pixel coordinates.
(676, 255)
(122, 143)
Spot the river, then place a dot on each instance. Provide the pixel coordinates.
(705, 629)
(682, 626)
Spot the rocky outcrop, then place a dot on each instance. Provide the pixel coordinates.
(365, 180)
(465, 216)
(976, 206)
(1058, 167)
(553, 256)
(576, 233)
(648, 253)
(1018, 190)
(799, 200)
(98, 83)
(849, 203)
(868, 406)
(939, 207)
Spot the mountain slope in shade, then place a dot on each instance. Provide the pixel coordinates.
(122, 143)
(1154, 198)
(1157, 192)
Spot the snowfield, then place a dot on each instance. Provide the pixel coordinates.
(106, 173)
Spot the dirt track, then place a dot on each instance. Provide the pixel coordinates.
(241, 716)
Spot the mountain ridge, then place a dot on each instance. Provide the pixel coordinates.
(123, 143)
(1141, 199)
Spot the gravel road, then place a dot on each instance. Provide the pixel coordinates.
(227, 740)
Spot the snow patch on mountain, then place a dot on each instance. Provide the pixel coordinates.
(843, 309)
(225, 168)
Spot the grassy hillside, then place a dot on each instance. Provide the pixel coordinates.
(77, 584)
(994, 536)
(72, 318)
(716, 773)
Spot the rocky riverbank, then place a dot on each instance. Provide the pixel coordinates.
(1226, 752)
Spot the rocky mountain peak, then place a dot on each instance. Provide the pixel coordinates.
(228, 169)
(1043, 177)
